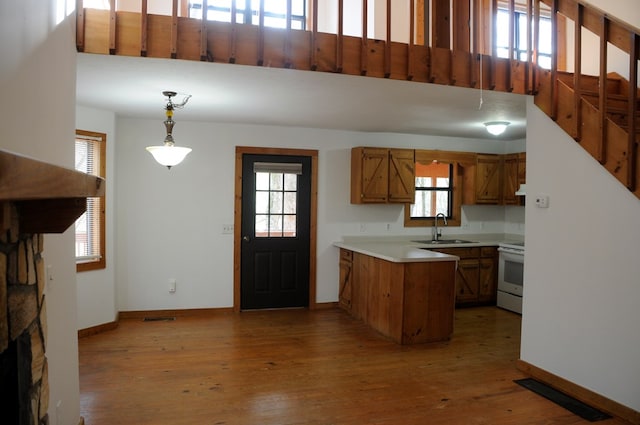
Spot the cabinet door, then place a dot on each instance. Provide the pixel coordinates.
(467, 277)
(522, 168)
(402, 180)
(369, 175)
(346, 279)
(510, 185)
(488, 187)
(488, 280)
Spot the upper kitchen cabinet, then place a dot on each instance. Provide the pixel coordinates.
(488, 182)
(382, 175)
(510, 180)
(522, 168)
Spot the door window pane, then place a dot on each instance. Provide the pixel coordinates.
(276, 200)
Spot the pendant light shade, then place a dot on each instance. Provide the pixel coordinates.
(496, 127)
(169, 154)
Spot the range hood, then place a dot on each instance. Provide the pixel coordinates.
(521, 190)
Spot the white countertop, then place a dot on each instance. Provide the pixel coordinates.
(404, 249)
(396, 252)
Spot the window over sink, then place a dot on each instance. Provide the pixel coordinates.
(438, 185)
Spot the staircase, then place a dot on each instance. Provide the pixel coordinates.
(600, 112)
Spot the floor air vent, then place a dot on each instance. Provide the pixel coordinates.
(561, 399)
(158, 319)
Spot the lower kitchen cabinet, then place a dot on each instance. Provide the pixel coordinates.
(476, 276)
(346, 276)
(407, 302)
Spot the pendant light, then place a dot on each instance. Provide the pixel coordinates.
(169, 154)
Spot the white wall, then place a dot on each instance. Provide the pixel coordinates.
(169, 222)
(37, 81)
(581, 293)
(96, 288)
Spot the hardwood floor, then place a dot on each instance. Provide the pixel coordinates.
(307, 367)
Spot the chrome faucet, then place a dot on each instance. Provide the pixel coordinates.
(436, 234)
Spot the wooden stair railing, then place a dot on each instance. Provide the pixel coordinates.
(600, 112)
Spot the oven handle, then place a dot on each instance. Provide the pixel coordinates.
(511, 251)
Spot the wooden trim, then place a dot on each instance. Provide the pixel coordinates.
(577, 74)
(528, 70)
(340, 37)
(234, 34)
(191, 312)
(511, 47)
(112, 27)
(261, 35)
(601, 154)
(632, 145)
(80, 25)
(203, 32)
(583, 394)
(326, 306)
(314, 35)
(288, 60)
(554, 61)
(102, 262)
(174, 30)
(412, 28)
(94, 330)
(364, 53)
(387, 44)
(144, 25)
(237, 217)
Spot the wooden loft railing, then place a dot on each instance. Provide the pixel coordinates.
(450, 42)
(445, 42)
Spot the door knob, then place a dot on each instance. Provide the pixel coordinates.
(246, 238)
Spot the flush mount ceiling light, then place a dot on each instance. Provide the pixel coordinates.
(169, 154)
(496, 127)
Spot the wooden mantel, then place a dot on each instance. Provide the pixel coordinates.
(44, 198)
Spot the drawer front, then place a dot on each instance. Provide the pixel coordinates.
(467, 252)
(488, 251)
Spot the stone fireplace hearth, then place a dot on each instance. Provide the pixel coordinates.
(24, 388)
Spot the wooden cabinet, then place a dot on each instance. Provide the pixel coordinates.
(346, 277)
(381, 175)
(510, 179)
(488, 275)
(522, 168)
(488, 179)
(476, 276)
(407, 302)
(495, 179)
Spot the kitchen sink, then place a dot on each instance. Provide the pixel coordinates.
(443, 241)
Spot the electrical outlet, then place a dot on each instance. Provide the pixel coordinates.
(227, 229)
(363, 227)
(172, 286)
(542, 201)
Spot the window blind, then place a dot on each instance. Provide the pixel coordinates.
(87, 160)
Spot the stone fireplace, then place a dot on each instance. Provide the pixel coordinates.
(35, 198)
(23, 384)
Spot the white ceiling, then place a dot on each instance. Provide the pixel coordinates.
(133, 86)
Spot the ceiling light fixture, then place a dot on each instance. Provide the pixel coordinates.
(496, 127)
(169, 154)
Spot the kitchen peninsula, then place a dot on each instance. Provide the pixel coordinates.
(404, 292)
